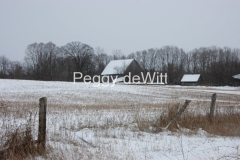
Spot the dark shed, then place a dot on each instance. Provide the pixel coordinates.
(191, 80)
(236, 80)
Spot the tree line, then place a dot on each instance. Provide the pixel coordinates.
(53, 63)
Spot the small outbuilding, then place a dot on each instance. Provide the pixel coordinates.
(191, 80)
(236, 80)
(120, 68)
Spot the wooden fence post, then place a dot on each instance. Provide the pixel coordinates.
(42, 123)
(212, 107)
(177, 115)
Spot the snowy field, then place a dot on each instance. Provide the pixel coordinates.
(108, 119)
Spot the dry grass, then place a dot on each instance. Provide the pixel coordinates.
(20, 145)
(225, 124)
(148, 117)
(17, 138)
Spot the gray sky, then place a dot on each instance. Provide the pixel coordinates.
(128, 25)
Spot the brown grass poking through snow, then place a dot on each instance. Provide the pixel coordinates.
(225, 124)
(156, 125)
(165, 118)
(145, 117)
(20, 144)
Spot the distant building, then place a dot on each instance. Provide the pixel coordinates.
(191, 80)
(236, 80)
(120, 68)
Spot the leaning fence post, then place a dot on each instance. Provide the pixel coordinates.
(212, 108)
(42, 122)
(177, 115)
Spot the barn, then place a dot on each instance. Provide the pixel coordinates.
(236, 80)
(191, 80)
(120, 68)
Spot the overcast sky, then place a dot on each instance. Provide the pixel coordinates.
(128, 25)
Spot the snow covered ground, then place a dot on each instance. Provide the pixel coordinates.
(106, 118)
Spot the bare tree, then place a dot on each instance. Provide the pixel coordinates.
(132, 56)
(118, 54)
(81, 54)
(151, 60)
(143, 59)
(16, 70)
(40, 59)
(50, 52)
(101, 59)
(161, 61)
(4, 66)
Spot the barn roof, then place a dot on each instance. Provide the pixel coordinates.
(117, 66)
(190, 78)
(237, 76)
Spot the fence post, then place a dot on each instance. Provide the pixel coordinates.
(177, 115)
(212, 107)
(42, 123)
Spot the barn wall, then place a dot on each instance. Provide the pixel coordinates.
(236, 82)
(135, 69)
(189, 83)
(200, 81)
